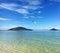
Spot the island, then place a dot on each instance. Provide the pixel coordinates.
(19, 29)
(53, 29)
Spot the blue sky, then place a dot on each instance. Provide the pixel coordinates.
(34, 14)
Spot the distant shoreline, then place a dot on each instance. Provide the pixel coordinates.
(25, 29)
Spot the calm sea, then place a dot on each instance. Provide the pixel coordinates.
(30, 41)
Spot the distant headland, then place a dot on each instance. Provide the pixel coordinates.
(53, 29)
(19, 29)
(26, 29)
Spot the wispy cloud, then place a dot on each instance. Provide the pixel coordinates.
(13, 7)
(22, 11)
(4, 19)
(55, 0)
(31, 7)
(10, 6)
(32, 2)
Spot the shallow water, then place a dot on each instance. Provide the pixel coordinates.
(30, 41)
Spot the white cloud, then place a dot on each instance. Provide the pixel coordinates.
(22, 11)
(31, 7)
(34, 2)
(13, 7)
(26, 6)
(10, 6)
(26, 17)
(4, 19)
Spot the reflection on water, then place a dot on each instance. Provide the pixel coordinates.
(30, 42)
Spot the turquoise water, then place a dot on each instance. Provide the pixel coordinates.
(30, 41)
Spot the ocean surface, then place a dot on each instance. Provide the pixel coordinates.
(43, 41)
